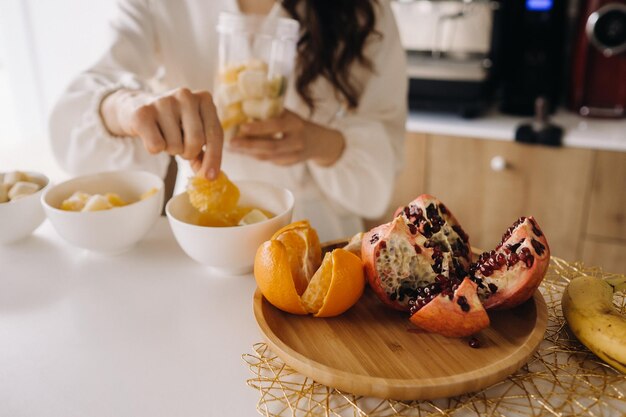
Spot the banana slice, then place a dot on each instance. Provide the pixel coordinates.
(254, 216)
(97, 202)
(252, 83)
(22, 189)
(4, 193)
(227, 94)
(76, 202)
(13, 177)
(587, 304)
(262, 108)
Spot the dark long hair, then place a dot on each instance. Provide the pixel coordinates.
(333, 37)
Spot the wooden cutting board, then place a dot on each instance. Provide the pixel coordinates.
(372, 350)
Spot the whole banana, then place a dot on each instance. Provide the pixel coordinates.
(587, 304)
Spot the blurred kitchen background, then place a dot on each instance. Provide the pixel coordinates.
(517, 108)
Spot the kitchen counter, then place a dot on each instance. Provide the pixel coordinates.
(146, 333)
(579, 132)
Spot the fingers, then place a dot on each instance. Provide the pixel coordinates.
(192, 125)
(286, 122)
(182, 123)
(169, 123)
(213, 138)
(144, 124)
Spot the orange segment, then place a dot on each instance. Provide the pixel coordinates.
(315, 294)
(346, 285)
(218, 195)
(273, 276)
(304, 251)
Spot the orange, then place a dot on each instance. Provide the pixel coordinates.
(288, 272)
(218, 195)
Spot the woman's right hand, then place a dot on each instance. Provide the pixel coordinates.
(179, 122)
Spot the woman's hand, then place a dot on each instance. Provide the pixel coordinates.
(287, 140)
(179, 122)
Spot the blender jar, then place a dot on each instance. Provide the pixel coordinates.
(256, 55)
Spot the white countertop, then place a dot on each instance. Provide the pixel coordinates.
(146, 333)
(579, 132)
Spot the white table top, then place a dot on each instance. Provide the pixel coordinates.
(147, 333)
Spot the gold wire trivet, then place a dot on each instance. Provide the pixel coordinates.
(563, 378)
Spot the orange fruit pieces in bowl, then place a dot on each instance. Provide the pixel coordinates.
(291, 276)
(218, 195)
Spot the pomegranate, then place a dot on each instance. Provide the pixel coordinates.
(509, 275)
(450, 314)
(421, 262)
(422, 246)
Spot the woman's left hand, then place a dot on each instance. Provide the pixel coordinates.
(288, 139)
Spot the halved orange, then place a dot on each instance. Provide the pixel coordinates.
(288, 272)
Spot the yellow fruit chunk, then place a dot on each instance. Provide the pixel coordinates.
(230, 74)
(115, 200)
(281, 269)
(219, 195)
(148, 194)
(75, 202)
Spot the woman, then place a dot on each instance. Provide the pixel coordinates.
(148, 98)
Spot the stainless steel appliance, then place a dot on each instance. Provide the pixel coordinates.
(451, 53)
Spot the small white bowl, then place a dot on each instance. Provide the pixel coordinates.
(20, 217)
(230, 250)
(108, 231)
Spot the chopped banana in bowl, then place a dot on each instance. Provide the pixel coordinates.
(108, 212)
(20, 205)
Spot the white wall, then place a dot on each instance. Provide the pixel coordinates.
(44, 43)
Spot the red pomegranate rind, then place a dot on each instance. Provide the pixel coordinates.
(395, 261)
(437, 223)
(461, 316)
(511, 273)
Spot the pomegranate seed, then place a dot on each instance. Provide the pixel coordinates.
(474, 343)
(501, 259)
(459, 231)
(529, 261)
(492, 287)
(536, 230)
(462, 302)
(417, 249)
(539, 247)
(382, 244)
(412, 228)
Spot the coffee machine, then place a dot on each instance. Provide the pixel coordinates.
(532, 56)
(451, 56)
(598, 87)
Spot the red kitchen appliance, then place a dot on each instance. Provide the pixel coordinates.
(599, 69)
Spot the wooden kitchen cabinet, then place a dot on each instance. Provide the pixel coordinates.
(577, 195)
(489, 184)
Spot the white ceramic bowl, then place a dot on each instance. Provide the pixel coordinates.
(107, 231)
(19, 218)
(230, 250)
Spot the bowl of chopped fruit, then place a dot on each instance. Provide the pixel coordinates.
(107, 212)
(221, 224)
(20, 207)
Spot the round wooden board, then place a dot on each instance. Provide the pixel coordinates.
(372, 350)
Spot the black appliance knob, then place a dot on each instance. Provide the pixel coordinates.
(606, 29)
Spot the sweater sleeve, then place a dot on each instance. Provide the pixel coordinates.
(362, 180)
(80, 142)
